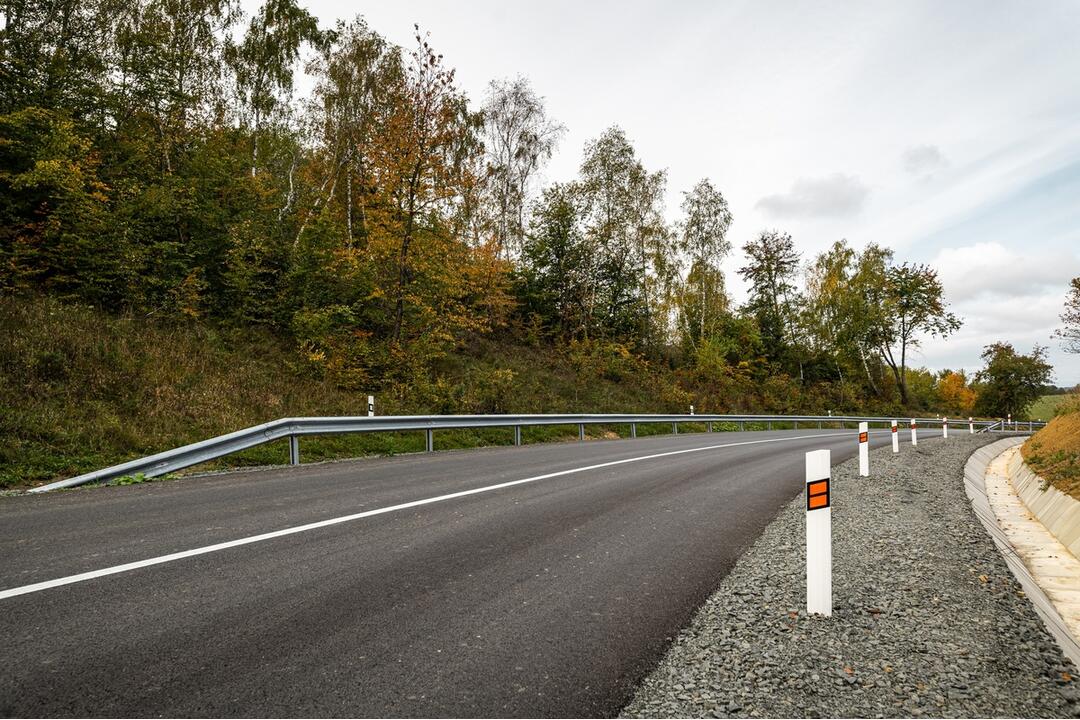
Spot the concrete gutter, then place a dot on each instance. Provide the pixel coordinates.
(1042, 565)
(1058, 512)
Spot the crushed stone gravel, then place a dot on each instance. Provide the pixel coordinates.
(927, 619)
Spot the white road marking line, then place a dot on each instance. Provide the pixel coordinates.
(115, 569)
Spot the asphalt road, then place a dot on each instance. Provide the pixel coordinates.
(551, 597)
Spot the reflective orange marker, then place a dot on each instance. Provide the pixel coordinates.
(817, 494)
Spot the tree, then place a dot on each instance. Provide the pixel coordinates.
(773, 300)
(703, 237)
(631, 249)
(422, 156)
(360, 79)
(913, 304)
(1010, 382)
(263, 62)
(1070, 334)
(956, 398)
(519, 137)
(554, 259)
(845, 296)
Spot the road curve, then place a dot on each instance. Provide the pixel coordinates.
(550, 597)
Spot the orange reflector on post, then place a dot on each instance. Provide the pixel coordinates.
(894, 428)
(863, 437)
(817, 494)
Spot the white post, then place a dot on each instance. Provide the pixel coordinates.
(1009, 421)
(864, 449)
(895, 437)
(945, 428)
(971, 426)
(914, 432)
(818, 534)
(691, 409)
(371, 406)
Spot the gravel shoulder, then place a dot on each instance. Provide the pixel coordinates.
(927, 618)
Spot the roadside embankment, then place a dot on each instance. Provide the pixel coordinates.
(927, 618)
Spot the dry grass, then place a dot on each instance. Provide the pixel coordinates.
(1054, 452)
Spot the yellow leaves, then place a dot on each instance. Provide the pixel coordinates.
(954, 394)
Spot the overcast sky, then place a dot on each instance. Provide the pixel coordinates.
(949, 132)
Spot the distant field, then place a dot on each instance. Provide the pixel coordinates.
(1045, 407)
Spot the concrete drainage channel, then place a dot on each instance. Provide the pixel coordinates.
(927, 617)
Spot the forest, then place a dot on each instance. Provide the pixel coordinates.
(158, 163)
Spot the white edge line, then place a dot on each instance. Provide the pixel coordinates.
(126, 567)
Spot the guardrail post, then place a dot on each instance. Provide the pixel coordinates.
(818, 424)
(742, 425)
(517, 434)
(710, 426)
(294, 450)
(864, 449)
(429, 438)
(796, 422)
(818, 533)
(768, 425)
(633, 430)
(581, 432)
(674, 428)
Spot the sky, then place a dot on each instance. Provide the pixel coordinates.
(949, 132)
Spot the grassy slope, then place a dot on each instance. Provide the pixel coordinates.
(81, 390)
(1054, 451)
(1046, 407)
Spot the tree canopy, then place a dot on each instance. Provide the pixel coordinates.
(155, 159)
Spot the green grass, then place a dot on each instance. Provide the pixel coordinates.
(1045, 407)
(81, 390)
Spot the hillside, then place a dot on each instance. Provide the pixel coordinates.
(1054, 452)
(80, 389)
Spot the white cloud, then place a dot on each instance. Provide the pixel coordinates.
(924, 159)
(836, 195)
(991, 272)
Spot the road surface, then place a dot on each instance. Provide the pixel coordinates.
(550, 594)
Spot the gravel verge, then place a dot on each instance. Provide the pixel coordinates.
(927, 619)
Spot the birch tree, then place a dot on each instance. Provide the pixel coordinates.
(519, 138)
(703, 238)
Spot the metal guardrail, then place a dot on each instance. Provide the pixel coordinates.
(293, 428)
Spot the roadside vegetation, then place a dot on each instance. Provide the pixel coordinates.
(1054, 452)
(187, 247)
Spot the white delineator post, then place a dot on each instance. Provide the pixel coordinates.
(914, 432)
(371, 406)
(895, 437)
(818, 534)
(945, 428)
(864, 449)
(971, 426)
